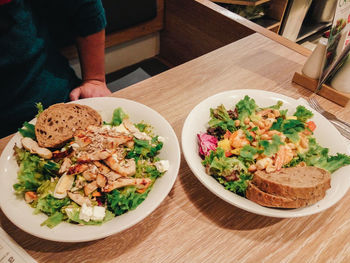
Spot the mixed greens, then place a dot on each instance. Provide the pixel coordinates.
(248, 138)
(80, 184)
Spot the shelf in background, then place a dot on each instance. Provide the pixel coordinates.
(267, 22)
(239, 2)
(309, 30)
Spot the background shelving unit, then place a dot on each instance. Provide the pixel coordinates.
(238, 2)
(272, 20)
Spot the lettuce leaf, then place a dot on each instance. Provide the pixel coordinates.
(33, 170)
(53, 220)
(239, 186)
(50, 205)
(220, 118)
(73, 215)
(46, 188)
(220, 165)
(319, 156)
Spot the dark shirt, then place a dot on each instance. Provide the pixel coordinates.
(32, 68)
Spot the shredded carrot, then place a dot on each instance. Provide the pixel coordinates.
(96, 194)
(227, 134)
(141, 191)
(311, 125)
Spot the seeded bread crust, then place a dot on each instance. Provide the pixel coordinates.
(260, 197)
(57, 124)
(296, 182)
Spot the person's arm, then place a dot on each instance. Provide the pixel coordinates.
(91, 54)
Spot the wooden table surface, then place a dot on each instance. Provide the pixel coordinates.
(192, 224)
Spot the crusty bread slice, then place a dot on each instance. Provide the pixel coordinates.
(260, 197)
(295, 182)
(57, 124)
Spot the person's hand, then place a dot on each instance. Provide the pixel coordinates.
(89, 89)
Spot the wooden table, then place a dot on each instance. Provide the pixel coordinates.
(192, 224)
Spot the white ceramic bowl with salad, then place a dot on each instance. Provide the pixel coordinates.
(21, 214)
(326, 135)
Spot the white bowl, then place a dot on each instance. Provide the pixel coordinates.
(326, 135)
(22, 215)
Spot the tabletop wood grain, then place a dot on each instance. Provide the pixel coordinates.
(192, 224)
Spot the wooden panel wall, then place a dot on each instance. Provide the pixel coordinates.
(195, 27)
(192, 29)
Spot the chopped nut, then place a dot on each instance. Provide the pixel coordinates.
(252, 168)
(271, 115)
(265, 137)
(261, 125)
(276, 113)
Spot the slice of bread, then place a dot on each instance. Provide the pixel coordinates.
(260, 197)
(57, 124)
(296, 182)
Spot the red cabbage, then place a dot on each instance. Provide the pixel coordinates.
(206, 143)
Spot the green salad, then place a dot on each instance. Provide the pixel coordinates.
(248, 138)
(102, 172)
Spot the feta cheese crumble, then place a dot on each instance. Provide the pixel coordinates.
(95, 213)
(162, 166)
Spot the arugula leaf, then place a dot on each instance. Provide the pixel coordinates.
(271, 148)
(118, 116)
(220, 118)
(141, 126)
(303, 114)
(144, 149)
(121, 201)
(245, 107)
(28, 130)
